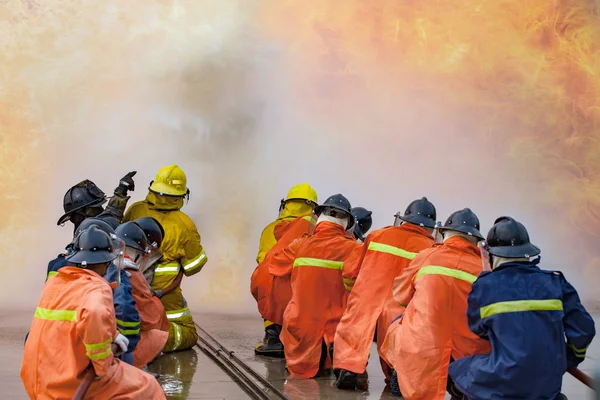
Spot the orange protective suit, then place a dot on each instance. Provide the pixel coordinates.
(434, 325)
(314, 311)
(383, 257)
(154, 325)
(273, 293)
(74, 325)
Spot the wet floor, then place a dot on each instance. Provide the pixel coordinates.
(192, 375)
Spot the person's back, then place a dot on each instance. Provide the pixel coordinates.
(526, 313)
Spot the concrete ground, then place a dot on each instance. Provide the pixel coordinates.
(192, 375)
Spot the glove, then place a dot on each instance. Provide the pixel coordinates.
(158, 293)
(122, 342)
(126, 184)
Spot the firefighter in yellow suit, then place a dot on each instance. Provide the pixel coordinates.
(182, 252)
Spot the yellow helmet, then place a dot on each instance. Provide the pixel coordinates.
(302, 191)
(170, 181)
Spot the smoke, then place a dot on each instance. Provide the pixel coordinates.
(249, 98)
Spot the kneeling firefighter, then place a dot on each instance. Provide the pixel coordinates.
(315, 263)
(370, 276)
(73, 328)
(526, 313)
(182, 251)
(271, 293)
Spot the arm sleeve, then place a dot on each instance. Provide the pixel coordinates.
(579, 325)
(117, 205)
(95, 327)
(476, 324)
(267, 241)
(194, 256)
(353, 264)
(126, 313)
(404, 288)
(283, 261)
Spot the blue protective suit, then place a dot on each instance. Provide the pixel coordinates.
(526, 313)
(126, 313)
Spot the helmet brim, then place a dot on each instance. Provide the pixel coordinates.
(466, 230)
(524, 250)
(67, 216)
(91, 257)
(163, 189)
(418, 220)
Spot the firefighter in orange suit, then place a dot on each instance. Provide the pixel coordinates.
(74, 326)
(182, 251)
(383, 257)
(295, 219)
(434, 329)
(315, 263)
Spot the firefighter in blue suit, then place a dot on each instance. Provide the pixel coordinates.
(526, 313)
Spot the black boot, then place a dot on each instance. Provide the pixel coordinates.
(271, 346)
(394, 387)
(346, 380)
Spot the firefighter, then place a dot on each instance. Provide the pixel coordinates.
(273, 293)
(364, 221)
(369, 277)
(315, 263)
(73, 328)
(182, 251)
(533, 318)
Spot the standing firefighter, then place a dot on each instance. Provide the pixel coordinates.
(273, 294)
(314, 311)
(433, 328)
(182, 252)
(526, 313)
(74, 325)
(370, 276)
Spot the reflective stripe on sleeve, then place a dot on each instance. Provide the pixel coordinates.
(349, 283)
(453, 273)
(200, 260)
(167, 269)
(579, 353)
(98, 356)
(396, 251)
(97, 346)
(128, 323)
(127, 332)
(174, 314)
(51, 274)
(177, 339)
(97, 351)
(316, 262)
(520, 305)
(55, 315)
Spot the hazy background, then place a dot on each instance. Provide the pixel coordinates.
(489, 105)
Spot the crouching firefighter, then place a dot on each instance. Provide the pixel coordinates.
(315, 263)
(526, 313)
(152, 313)
(273, 293)
(74, 326)
(182, 252)
(128, 317)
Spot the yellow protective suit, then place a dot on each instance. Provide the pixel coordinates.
(181, 250)
(292, 210)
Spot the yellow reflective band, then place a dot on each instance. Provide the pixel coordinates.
(454, 273)
(402, 305)
(51, 274)
(315, 262)
(520, 305)
(579, 353)
(97, 346)
(268, 323)
(167, 269)
(349, 281)
(309, 219)
(128, 324)
(396, 251)
(174, 314)
(98, 356)
(55, 315)
(198, 260)
(177, 341)
(129, 331)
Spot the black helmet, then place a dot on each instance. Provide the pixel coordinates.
(84, 194)
(92, 246)
(132, 235)
(363, 222)
(109, 219)
(509, 238)
(464, 221)
(94, 221)
(420, 212)
(338, 202)
(153, 230)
